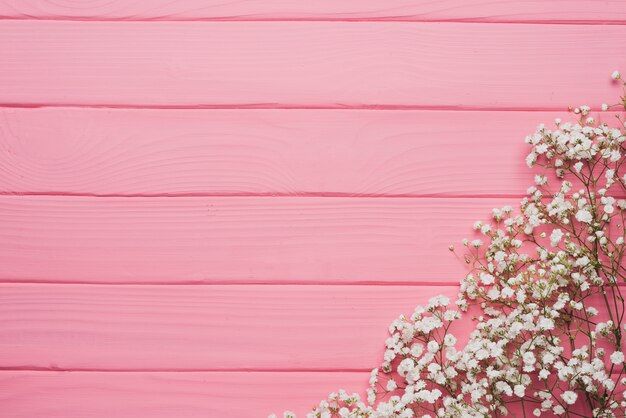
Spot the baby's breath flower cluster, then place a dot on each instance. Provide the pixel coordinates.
(544, 291)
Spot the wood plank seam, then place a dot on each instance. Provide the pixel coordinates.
(274, 195)
(465, 11)
(277, 106)
(578, 22)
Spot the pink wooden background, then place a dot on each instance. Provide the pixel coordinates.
(213, 208)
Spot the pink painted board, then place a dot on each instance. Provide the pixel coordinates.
(27, 394)
(235, 239)
(307, 64)
(418, 10)
(190, 328)
(207, 328)
(147, 152)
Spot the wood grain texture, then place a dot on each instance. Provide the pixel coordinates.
(265, 152)
(166, 395)
(418, 10)
(235, 239)
(193, 328)
(307, 64)
(26, 394)
(283, 315)
(54, 394)
(208, 328)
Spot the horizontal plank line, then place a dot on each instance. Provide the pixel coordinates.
(277, 195)
(273, 106)
(421, 283)
(389, 19)
(169, 370)
(235, 283)
(243, 370)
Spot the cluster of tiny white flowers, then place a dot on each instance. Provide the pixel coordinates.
(544, 291)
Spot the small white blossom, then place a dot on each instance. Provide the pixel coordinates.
(583, 215)
(555, 237)
(569, 397)
(432, 346)
(578, 166)
(617, 357)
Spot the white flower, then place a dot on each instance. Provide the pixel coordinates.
(555, 237)
(545, 323)
(615, 75)
(582, 261)
(487, 278)
(417, 350)
(578, 166)
(615, 156)
(605, 106)
(617, 357)
(432, 346)
(569, 397)
(519, 390)
(583, 215)
(439, 300)
(540, 180)
(449, 340)
(528, 357)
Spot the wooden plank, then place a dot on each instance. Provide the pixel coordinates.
(414, 10)
(164, 395)
(235, 239)
(316, 64)
(191, 328)
(260, 152)
(208, 328)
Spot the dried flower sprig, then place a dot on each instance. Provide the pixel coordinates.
(545, 288)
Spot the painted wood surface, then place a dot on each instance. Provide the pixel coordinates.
(306, 64)
(579, 11)
(235, 239)
(25, 394)
(265, 152)
(187, 328)
(229, 201)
